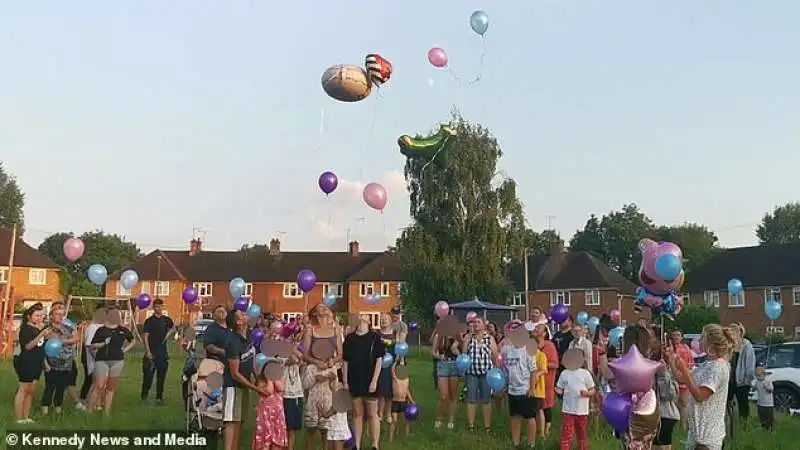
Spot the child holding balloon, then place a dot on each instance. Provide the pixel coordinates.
(401, 399)
(270, 431)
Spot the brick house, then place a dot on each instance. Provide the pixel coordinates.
(34, 278)
(576, 279)
(271, 279)
(768, 272)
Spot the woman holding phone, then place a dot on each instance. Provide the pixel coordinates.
(29, 362)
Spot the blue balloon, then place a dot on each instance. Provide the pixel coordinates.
(615, 336)
(260, 361)
(401, 349)
(387, 360)
(773, 309)
(216, 394)
(463, 361)
(236, 288)
(668, 266)
(52, 348)
(97, 274)
(594, 322)
(582, 318)
(479, 22)
(496, 379)
(128, 279)
(69, 324)
(735, 286)
(330, 300)
(254, 312)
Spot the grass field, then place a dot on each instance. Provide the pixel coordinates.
(131, 414)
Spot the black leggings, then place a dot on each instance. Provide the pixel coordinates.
(55, 384)
(742, 395)
(154, 368)
(87, 380)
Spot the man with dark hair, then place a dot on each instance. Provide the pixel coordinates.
(156, 331)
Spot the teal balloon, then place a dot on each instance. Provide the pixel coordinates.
(387, 360)
(495, 379)
(52, 348)
(615, 336)
(260, 361)
(401, 349)
(668, 267)
(97, 274)
(463, 361)
(479, 22)
(330, 300)
(773, 309)
(254, 312)
(582, 318)
(594, 322)
(735, 286)
(236, 288)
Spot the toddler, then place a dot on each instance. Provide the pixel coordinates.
(401, 398)
(336, 428)
(270, 430)
(764, 399)
(576, 386)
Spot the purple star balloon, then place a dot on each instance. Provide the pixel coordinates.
(633, 372)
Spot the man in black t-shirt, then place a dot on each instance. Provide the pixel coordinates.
(157, 330)
(562, 339)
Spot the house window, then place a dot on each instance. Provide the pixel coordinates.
(162, 289)
(204, 289)
(518, 299)
(144, 287)
(559, 297)
(291, 290)
(365, 289)
(248, 290)
(736, 300)
(374, 318)
(711, 298)
(384, 289)
(795, 293)
(593, 298)
(797, 332)
(3, 275)
(774, 330)
(37, 276)
(289, 316)
(687, 300)
(772, 294)
(336, 289)
(121, 291)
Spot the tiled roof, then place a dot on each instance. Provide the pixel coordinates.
(760, 266)
(572, 270)
(385, 267)
(24, 254)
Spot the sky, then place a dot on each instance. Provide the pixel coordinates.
(155, 119)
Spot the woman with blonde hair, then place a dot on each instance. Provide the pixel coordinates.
(743, 370)
(708, 388)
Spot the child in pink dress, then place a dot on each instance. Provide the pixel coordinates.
(270, 432)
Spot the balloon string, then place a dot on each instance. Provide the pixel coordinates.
(321, 129)
(370, 132)
(477, 79)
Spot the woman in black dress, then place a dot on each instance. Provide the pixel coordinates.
(29, 362)
(385, 380)
(363, 351)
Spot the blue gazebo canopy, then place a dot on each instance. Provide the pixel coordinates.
(492, 312)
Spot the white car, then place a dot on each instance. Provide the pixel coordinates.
(782, 363)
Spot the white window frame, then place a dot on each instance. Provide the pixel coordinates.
(374, 318)
(737, 300)
(557, 297)
(385, 289)
(775, 329)
(796, 295)
(248, 290)
(336, 289)
(797, 332)
(687, 299)
(518, 299)
(772, 293)
(400, 285)
(711, 298)
(287, 316)
(121, 291)
(204, 288)
(292, 290)
(161, 289)
(35, 274)
(592, 297)
(365, 289)
(3, 275)
(144, 287)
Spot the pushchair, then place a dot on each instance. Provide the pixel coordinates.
(205, 399)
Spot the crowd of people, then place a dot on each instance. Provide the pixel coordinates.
(328, 358)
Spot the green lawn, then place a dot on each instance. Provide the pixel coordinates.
(130, 413)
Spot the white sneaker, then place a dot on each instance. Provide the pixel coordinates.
(437, 424)
(25, 421)
(451, 425)
(80, 406)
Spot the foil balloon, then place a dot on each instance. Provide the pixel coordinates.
(648, 275)
(633, 372)
(433, 147)
(437, 57)
(375, 196)
(379, 69)
(346, 83)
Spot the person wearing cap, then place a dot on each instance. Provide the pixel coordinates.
(157, 330)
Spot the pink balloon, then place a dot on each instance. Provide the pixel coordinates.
(375, 196)
(472, 315)
(696, 346)
(73, 249)
(437, 57)
(615, 315)
(441, 309)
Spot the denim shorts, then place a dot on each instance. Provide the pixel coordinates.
(446, 369)
(478, 391)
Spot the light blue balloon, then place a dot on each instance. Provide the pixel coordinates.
(401, 349)
(594, 322)
(330, 300)
(615, 336)
(582, 318)
(97, 274)
(236, 287)
(668, 266)
(69, 324)
(254, 312)
(735, 286)
(387, 360)
(496, 379)
(128, 279)
(260, 361)
(52, 348)
(479, 22)
(773, 309)
(463, 361)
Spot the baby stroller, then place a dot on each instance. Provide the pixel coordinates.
(204, 408)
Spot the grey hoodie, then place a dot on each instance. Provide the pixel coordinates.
(746, 365)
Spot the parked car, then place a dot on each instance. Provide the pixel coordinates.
(782, 362)
(200, 326)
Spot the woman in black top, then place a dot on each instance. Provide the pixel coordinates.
(110, 343)
(363, 351)
(29, 362)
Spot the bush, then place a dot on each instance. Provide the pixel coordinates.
(694, 317)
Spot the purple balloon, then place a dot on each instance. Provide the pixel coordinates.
(306, 280)
(142, 301)
(413, 326)
(328, 181)
(241, 304)
(617, 410)
(411, 412)
(559, 313)
(633, 372)
(257, 336)
(189, 295)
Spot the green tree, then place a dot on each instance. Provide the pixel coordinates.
(12, 202)
(781, 226)
(697, 242)
(693, 318)
(110, 250)
(466, 222)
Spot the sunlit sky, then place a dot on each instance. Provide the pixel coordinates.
(152, 118)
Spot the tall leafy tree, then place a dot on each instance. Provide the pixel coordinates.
(12, 202)
(110, 250)
(467, 221)
(781, 226)
(697, 242)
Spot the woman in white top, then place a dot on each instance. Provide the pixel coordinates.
(582, 343)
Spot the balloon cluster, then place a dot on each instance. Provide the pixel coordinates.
(348, 83)
(634, 375)
(661, 275)
(478, 21)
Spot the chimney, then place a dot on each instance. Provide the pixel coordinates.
(354, 248)
(195, 246)
(274, 247)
